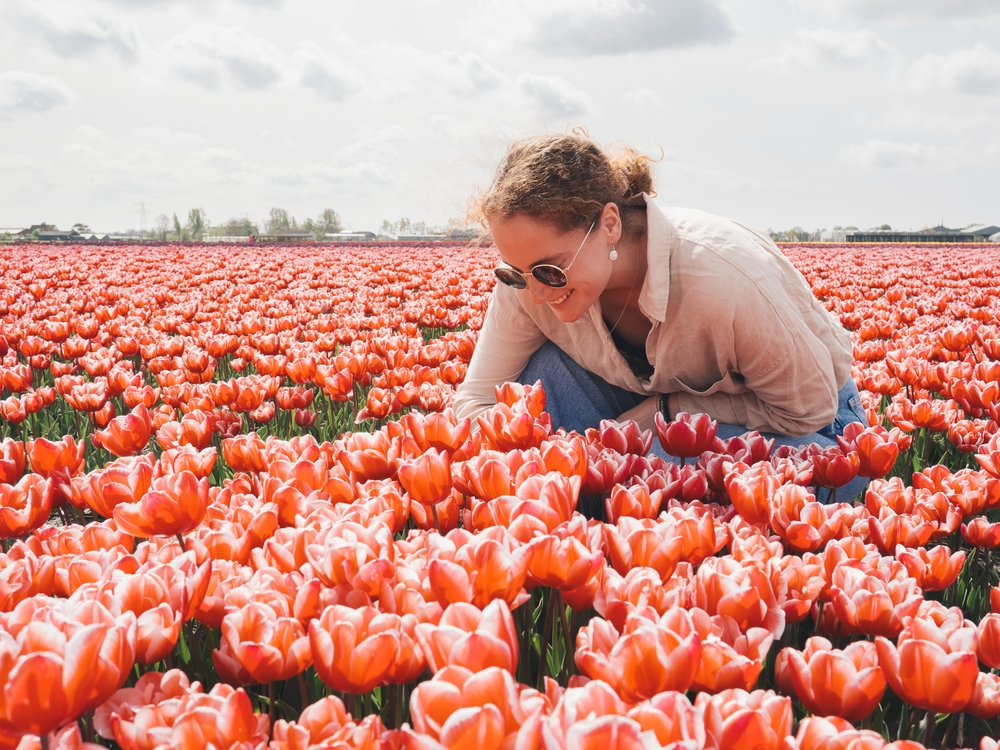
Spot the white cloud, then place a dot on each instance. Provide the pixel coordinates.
(72, 32)
(615, 27)
(328, 75)
(212, 56)
(974, 71)
(645, 100)
(92, 134)
(830, 47)
(469, 74)
(158, 135)
(879, 154)
(907, 10)
(27, 93)
(554, 97)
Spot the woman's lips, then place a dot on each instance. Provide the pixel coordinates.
(562, 300)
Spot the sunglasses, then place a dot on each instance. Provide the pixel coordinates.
(544, 273)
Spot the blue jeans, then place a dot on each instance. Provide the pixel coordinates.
(577, 399)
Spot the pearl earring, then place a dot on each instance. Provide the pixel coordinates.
(614, 253)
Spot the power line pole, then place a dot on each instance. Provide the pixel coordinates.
(142, 206)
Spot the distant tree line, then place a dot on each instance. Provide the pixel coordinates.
(198, 227)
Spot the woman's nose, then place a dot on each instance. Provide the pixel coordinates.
(539, 292)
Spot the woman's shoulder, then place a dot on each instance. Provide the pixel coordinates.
(701, 227)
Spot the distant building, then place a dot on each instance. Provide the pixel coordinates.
(940, 234)
(294, 235)
(980, 230)
(420, 237)
(468, 235)
(349, 236)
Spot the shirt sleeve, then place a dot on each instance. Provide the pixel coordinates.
(787, 369)
(506, 342)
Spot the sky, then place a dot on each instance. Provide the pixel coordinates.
(776, 113)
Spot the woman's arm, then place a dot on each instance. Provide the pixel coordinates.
(507, 340)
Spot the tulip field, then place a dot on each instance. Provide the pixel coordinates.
(237, 511)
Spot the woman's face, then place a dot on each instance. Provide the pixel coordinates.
(524, 242)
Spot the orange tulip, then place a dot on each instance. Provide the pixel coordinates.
(729, 658)
(829, 682)
(724, 587)
(866, 604)
(635, 501)
(561, 563)
(58, 667)
(267, 646)
(981, 533)
(442, 431)
(349, 553)
(487, 709)
(175, 504)
(11, 460)
(834, 733)
(355, 650)
(124, 481)
(750, 489)
(64, 457)
(891, 530)
(738, 720)
(128, 434)
(989, 640)
(593, 717)
(428, 478)
(245, 453)
(470, 637)
(193, 429)
(933, 570)
(24, 506)
(647, 658)
(505, 429)
(932, 666)
(802, 522)
(985, 702)
(633, 543)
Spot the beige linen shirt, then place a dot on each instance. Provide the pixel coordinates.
(736, 334)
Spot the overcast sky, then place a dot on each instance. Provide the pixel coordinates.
(772, 112)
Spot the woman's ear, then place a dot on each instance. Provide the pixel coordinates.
(611, 224)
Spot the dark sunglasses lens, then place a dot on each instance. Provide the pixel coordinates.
(549, 275)
(510, 277)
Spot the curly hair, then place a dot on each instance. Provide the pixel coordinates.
(565, 180)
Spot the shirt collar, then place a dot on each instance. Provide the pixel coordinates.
(661, 238)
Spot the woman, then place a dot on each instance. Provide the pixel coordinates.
(622, 308)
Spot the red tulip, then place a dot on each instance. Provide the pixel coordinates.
(686, 435)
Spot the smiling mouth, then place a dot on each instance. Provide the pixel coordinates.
(557, 302)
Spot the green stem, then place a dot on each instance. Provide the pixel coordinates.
(546, 633)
